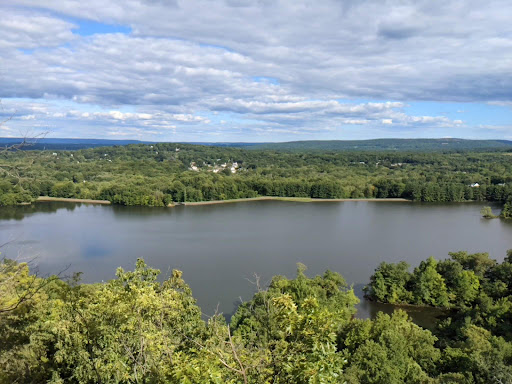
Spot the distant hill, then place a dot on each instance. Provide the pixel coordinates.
(66, 144)
(387, 145)
(410, 145)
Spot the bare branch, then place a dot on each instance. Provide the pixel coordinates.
(233, 349)
(11, 270)
(28, 137)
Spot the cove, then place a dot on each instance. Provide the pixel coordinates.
(220, 247)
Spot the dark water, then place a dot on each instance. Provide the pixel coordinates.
(220, 247)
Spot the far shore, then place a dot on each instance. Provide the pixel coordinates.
(261, 198)
(71, 200)
(294, 199)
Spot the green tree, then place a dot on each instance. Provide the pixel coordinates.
(389, 283)
(428, 285)
(480, 357)
(506, 212)
(486, 212)
(297, 322)
(463, 285)
(389, 349)
(479, 263)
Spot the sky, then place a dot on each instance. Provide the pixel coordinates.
(256, 70)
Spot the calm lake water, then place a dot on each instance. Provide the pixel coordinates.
(220, 247)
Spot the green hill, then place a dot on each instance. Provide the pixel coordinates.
(388, 145)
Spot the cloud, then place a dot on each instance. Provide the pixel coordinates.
(184, 61)
(501, 103)
(27, 30)
(305, 118)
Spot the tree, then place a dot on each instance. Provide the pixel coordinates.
(479, 263)
(486, 212)
(297, 321)
(482, 358)
(389, 349)
(127, 330)
(463, 285)
(389, 283)
(506, 212)
(428, 285)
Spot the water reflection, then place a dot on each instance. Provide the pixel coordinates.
(21, 211)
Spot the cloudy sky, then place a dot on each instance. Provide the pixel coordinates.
(256, 70)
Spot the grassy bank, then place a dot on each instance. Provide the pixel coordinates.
(294, 199)
(70, 200)
(262, 198)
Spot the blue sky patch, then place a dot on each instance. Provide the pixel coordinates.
(88, 28)
(265, 79)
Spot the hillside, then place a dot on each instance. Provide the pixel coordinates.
(404, 145)
(388, 145)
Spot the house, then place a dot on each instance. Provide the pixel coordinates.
(474, 185)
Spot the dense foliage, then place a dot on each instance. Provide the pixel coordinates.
(161, 174)
(477, 288)
(137, 329)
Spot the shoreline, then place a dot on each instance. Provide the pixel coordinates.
(43, 199)
(71, 200)
(291, 199)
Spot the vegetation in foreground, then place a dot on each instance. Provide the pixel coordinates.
(135, 329)
(160, 174)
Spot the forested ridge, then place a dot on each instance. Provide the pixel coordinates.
(446, 144)
(161, 174)
(442, 145)
(299, 330)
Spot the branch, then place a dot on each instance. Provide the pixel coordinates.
(32, 289)
(242, 368)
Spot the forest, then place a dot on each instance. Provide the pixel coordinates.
(163, 174)
(300, 330)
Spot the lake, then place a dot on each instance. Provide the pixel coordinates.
(220, 247)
